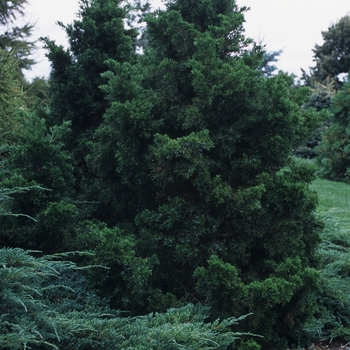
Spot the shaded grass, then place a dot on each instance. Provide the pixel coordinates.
(334, 207)
(332, 195)
(334, 255)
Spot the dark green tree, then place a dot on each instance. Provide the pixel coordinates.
(12, 98)
(33, 157)
(332, 61)
(97, 35)
(46, 302)
(333, 159)
(193, 160)
(333, 56)
(320, 100)
(39, 161)
(15, 43)
(14, 37)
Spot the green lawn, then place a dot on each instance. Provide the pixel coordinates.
(332, 195)
(334, 258)
(334, 207)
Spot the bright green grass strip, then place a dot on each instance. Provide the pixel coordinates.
(334, 207)
(332, 195)
(334, 258)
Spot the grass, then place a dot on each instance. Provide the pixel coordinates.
(334, 206)
(334, 255)
(332, 195)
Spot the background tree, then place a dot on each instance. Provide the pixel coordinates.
(333, 159)
(320, 100)
(197, 145)
(267, 66)
(31, 156)
(326, 77)
(12, 99)
(15, 42)
(15, 38)
(333, 56)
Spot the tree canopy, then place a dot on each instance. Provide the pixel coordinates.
(332, 58)
(14, 37)
(173, 170)
(333, 150)
(196, 142)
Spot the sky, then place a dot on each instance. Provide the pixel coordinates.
(293, 26)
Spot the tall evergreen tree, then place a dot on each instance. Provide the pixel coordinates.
(15, 38)
(194, 158)
(320, 100)
(97, 34)
(332, 60)
(333, 56)
(11, 98)
(333, 159)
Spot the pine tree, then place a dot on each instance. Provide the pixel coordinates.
(320, 100)
(333, 159)
(193, 160)
(333, 56)
(36, 172)
(267, 66)
(12, 98)
(332, 61)
(15, 38)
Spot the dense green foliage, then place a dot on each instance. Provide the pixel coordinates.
(333, 56)
(320, 100)
(95, 36)
(326, 77)
(195, 144)
(11, 98)
(173, 169)
(14, 38)
(39, 159)
(44, 304)
(333, 151)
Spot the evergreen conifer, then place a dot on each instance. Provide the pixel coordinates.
(97, 35)
(333, 159)
(333, 56)
(14, 38)
(193, 160)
